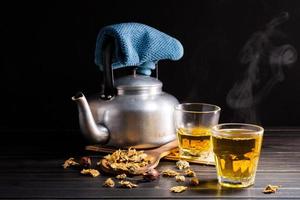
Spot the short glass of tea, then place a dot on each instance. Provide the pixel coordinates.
(193, 122)
(236, 148)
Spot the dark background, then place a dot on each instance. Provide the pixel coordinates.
(47, 53)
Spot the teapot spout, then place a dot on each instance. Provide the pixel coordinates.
(94, 132)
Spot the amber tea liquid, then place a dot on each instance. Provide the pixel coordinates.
(194, 143)
(236, 157)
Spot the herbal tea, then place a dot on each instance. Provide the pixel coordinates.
(236, 156)
(194, 141)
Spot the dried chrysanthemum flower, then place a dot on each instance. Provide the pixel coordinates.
(129, 160)
(92, 172)
(178, 189)
(169, 173)
(128, 184)
(182, 164)
(189, 173)
(271, 189)
(194, 181)
(179, 178)
(109, 183)
(121, 176)
(70, 162)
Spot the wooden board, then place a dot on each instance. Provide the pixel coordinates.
(174, 155)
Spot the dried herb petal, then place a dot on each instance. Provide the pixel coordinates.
(70, 162)
(178, 189)
(271, 189)
(189, 173)
(179, 178)
(129, 160)
(127, 184)
(169, 173)
(182, 164)
(92, 172)
(121, 176)
(109, 183)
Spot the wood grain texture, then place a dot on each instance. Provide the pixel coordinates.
(39, 175)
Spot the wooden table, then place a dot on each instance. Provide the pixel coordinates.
(30, 168)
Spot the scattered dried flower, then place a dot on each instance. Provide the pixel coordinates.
(109, 183)
(129, 160)
(271, 189)
(169, 173)
(85, 162)
(69, 162)
(189, 173)
(92, 172)
(121, 176)
(194, 181)
(179, 178)
(151, 175)
(127, 184)
(178, 189)
(182, 164)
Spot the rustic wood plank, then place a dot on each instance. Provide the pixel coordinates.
(269, 161)
(36, 176)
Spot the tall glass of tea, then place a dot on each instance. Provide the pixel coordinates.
(193, 122)
(236, 150)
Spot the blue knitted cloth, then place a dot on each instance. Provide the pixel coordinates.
(137, 45)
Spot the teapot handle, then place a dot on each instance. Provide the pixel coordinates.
(108, 75)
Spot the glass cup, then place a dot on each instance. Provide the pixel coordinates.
(193, 122)
(236, 148)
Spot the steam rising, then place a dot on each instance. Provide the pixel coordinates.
(260, 54)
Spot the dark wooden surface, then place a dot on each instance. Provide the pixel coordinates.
(30, 168)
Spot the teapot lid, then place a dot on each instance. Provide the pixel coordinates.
(138, 84)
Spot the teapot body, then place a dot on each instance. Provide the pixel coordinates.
(131, 111)
(136, 120)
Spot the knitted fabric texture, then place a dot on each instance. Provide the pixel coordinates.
(137, 45)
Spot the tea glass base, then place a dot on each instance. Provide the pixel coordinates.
(207, 157)
(225, 182)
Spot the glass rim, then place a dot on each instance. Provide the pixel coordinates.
(215, 110)
(216, 129)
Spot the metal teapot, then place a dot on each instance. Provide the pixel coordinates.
(132, 111)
